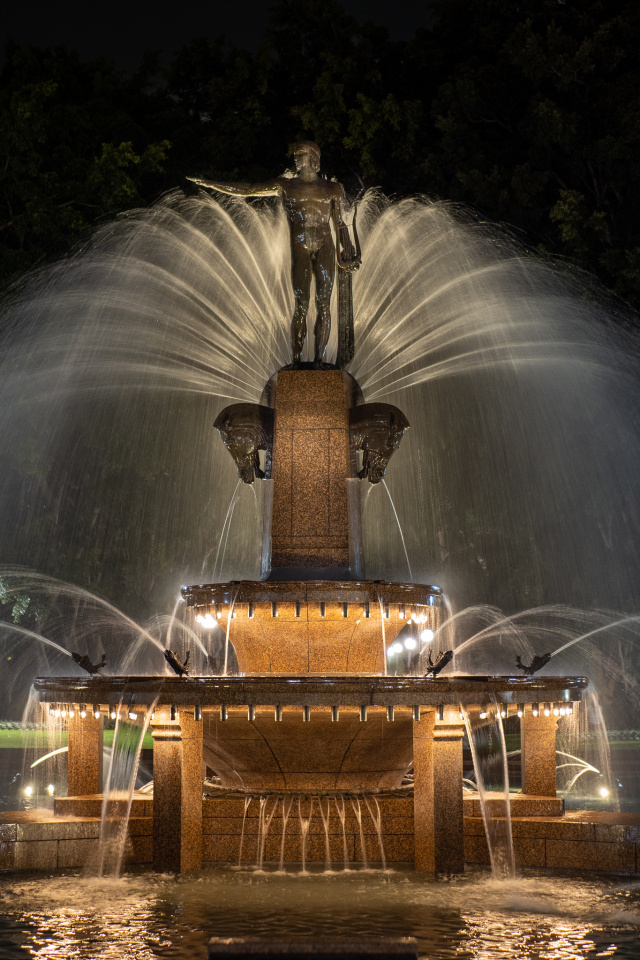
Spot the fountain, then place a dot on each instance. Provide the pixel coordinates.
(317, 711)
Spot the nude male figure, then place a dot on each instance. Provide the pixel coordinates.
(311, 205)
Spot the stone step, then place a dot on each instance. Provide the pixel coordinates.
(521, 805)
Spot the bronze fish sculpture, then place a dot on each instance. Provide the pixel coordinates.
(182, 669)
(538, 662)
(440, 662)
(85, 663)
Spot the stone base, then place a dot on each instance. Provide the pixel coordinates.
(543, 835)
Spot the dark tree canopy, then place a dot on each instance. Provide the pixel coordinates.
(528, 110)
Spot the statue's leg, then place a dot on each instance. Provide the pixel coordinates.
(324, 268)
(301, 283)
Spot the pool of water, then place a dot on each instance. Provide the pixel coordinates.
(536, 916)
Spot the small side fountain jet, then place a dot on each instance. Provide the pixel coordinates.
(440, 662)
(538, 662)
(85, 663)
(182, 669)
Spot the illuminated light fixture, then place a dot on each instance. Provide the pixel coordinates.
(503, 712)
(197, 712)
(426, 636)
(547, 710)
(390, 713)
(363, 714)
(234, 615)
(431, 600)
(83, 710)
(396, 648)
(63, 712)
(335, 714)
(604, 792)
(277, 713)
(440, 712)
(251, 713)
(410, 643)
(72, 711)
(96, 711)
(57, 712)
(521, 709)
(484, 712)
(306, 714)
(113, 713)
(132, 714)
(152, 715)
(461, 715)
(29, 790)
(218, 614)
(416, 714)
(224, 713)
(207, 621)
(562, 711)
(401, 612)
(52, 709)
(569, 709)
(51, 789)
(199, 618)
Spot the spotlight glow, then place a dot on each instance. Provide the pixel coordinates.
(426, 636)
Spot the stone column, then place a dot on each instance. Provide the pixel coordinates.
(316, 517)
(437, 797)
(538, 753)
(177, 791)
(84, 761)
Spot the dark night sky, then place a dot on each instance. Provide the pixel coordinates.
(122, 30)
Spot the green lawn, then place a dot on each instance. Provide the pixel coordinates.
(21, 739)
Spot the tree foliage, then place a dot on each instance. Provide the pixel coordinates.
(529, 110)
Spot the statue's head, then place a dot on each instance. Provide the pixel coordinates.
(309, 151)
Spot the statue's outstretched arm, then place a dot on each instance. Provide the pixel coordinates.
(348, 255)
(268, 189)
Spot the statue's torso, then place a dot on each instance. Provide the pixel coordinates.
(308, 205)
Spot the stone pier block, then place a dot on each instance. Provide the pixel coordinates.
(84, 765)
(438, 812)
(177, 791)
(538, 739)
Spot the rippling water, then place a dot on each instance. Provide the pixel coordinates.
(537, 917)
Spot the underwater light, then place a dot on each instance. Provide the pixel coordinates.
(547, 710)
(503, 712)
(83, 710)
(427, 635)
(51, 789)
(394, 649)
(410, 643)
(207, 620)
(132, 714)
(28, 790)
(113, 713)
(96, 711)
(535, 709)
(484, 712)
(521, 709)
(604, 792)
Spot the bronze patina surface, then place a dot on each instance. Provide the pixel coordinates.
(311, 204)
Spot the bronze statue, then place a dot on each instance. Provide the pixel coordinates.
(182, 669)
(311, 204)
(538, 662)
(246, 429)
(376, 429)
(92, 668)
(440, 663)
